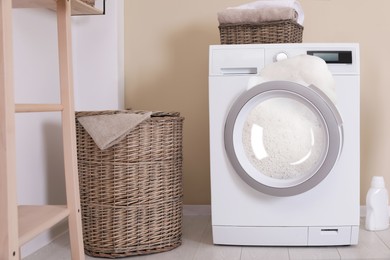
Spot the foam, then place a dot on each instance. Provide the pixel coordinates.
(289, 129)
(278, 133)
(302, 69)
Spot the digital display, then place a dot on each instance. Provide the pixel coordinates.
(330, 56)
(340, 57)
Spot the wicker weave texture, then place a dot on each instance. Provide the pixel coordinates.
(283, 31)
(131, 194)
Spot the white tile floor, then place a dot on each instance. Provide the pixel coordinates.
(197, 245)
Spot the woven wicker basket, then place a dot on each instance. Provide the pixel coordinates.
(283, 31)
(131, 193)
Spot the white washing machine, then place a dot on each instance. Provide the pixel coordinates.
(260, 193)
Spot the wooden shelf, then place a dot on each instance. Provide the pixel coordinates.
(25, 108)
(78, 7)
(35, 219)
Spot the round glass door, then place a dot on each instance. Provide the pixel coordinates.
(283, 138)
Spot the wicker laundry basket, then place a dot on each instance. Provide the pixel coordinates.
(282, 31)
(131, 193)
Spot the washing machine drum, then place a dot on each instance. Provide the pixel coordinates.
(283, 138)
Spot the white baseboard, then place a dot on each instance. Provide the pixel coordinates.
(202, 210)
(44, 239)
(363, 211)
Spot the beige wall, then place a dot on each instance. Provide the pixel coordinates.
(166, 68)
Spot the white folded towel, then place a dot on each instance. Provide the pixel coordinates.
(275, 3)
(256, 16)
(108, 130)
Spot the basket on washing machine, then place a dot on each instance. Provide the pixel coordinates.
(280, 31)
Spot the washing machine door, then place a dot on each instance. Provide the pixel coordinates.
(283, 138)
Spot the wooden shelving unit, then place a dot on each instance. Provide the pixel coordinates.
(35, 219)
(19, 224)
(78, 7)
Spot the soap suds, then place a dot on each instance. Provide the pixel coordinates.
(292, 136)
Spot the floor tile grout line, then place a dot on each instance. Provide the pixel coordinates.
(288, 251)
(376, 233)
(338, 252)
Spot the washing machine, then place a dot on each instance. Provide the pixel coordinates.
(284, 157)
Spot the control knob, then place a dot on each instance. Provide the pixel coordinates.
(281, 56)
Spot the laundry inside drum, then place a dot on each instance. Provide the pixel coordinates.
(284, 138)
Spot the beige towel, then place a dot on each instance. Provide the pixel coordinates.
(108, 130)
(256, 16)
(263, 4)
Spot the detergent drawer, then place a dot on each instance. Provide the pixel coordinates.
(322, 236)
(224, 61)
